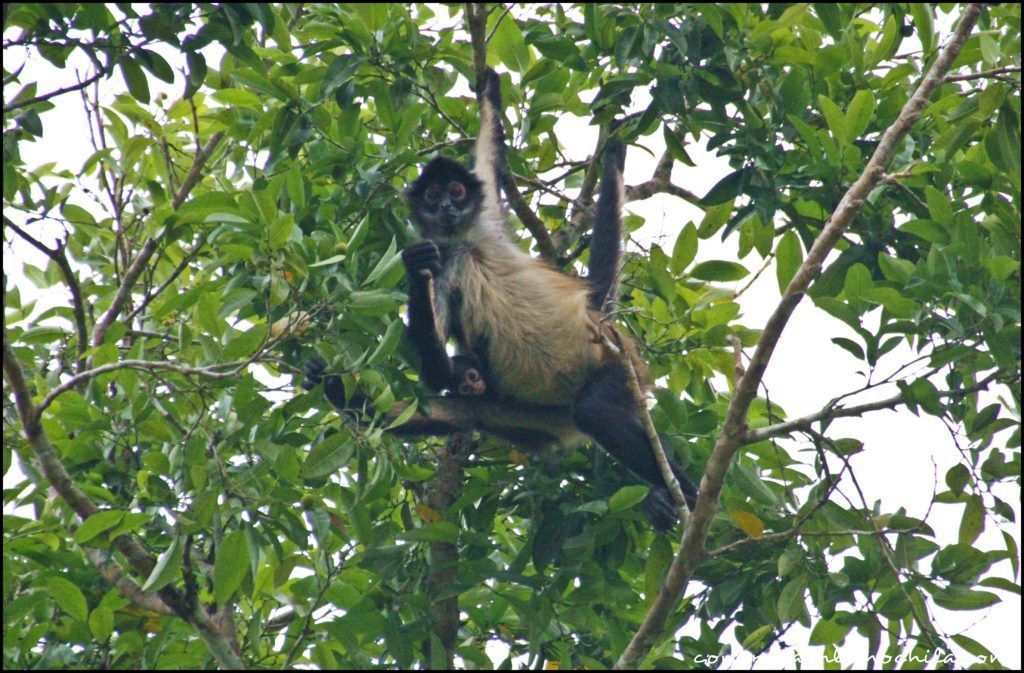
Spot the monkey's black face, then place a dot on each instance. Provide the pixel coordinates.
(445, 199)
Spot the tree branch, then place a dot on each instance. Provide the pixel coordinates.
(660, 183)
(138, 557)
(831, 412)
(213, 371)
(99, 332)
(982, 75)
(444, 556)
(692, 550)
(60, 258)
(59, 92)
(113, 573)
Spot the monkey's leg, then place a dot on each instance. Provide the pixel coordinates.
(606, 411)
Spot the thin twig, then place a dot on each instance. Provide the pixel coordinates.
(981, 75)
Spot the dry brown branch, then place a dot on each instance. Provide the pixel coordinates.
(734, 430)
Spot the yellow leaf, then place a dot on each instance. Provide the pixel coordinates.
(518, 457)
(428, 514)
(292, 324)
(749, 523)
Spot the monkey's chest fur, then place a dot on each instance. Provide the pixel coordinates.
(528, 322)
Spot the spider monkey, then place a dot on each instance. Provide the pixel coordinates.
(533, 366)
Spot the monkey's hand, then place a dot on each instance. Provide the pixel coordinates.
(489, 87)
(422, 260)
(334, 389)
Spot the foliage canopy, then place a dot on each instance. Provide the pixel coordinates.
(174, 505)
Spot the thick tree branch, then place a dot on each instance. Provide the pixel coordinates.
(734, 430)
(113, 573)
(444, 556)
(660, 183)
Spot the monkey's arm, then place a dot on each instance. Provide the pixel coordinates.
(422, 262)
(491, 164)
(604, 244)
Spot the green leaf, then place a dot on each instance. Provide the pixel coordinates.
(725, 190)
(789, 256)
(831, 17)
(675, 146)
(341, 70)
(196, 63)
(238, 97)
(69, 597)
(101, 622)
(850, 346)
(230, 566)
(96, 524)
(719, 270)
(858, 114)
(167, 568)
(507, 43)
(330, 260)
(328, 456)
(76, 214)
(626, 497)
(927, 230)
(790, 605)
(685, 249)
(754, 638)
(973, 646)
(939, 206)
(922, 13)
(156, 64)
(439, 531)
(135, 78)
(957, 597)
(658, 560)
(957, 477)
(392, 337)
(828, 632)
(835, 119)
(972, 523)
(1002, 267)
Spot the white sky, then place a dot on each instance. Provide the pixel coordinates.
(904, 454)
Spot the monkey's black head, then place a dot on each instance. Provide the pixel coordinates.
(445, 200)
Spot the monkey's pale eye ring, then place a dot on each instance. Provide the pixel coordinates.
(457, 191)
(433, 194)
